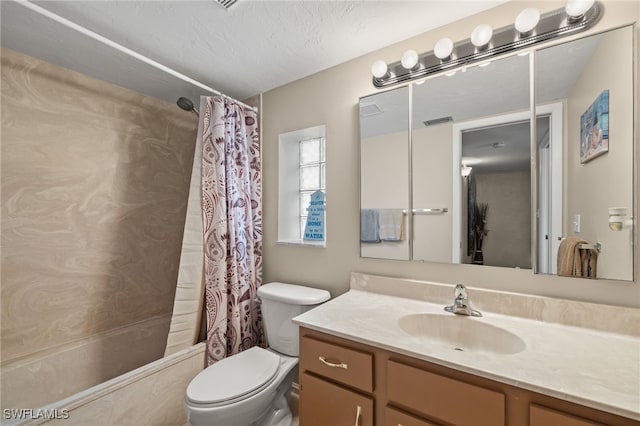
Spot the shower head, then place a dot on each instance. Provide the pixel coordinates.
(186, 105)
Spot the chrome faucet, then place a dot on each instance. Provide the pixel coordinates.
(461, 303)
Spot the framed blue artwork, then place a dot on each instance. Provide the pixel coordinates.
(594, 128)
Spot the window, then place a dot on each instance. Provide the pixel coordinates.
(301, 174)
(312, 172)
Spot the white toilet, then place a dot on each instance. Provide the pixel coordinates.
(252, 388)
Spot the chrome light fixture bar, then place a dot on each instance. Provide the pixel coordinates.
(529, 28)
(226, 3)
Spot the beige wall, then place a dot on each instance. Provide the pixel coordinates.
(331, 97)
(605, 181)
(94, 186)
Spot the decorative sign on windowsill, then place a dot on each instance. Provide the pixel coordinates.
(314, 229)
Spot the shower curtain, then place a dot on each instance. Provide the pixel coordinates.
(232, 220)
(221, 260)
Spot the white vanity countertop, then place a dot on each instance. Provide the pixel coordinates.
(597, 369)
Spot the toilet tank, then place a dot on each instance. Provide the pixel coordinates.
(280, 304)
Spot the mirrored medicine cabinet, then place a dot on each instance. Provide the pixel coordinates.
(449, 172)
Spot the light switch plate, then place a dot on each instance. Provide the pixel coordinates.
(576, 223)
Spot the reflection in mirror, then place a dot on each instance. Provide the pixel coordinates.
(496, 194)
(384, 175)
(583, 179)
(475, 123)
(592, 81)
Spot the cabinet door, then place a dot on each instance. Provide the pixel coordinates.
(325, 404)
(439, 397)
(394, 417)
(542, 416)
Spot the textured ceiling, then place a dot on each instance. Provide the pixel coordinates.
(251, 48)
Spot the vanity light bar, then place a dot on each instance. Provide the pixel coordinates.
(552, 25)
(226, 3)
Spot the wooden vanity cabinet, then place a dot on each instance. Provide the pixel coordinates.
(542, 416)
(437, 396)
(323, 403)
(396, 417)
(397, 390)
(336, 384)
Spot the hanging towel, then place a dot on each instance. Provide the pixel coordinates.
(391, 225)
(589, 262)
(574, 261)
(369, 226)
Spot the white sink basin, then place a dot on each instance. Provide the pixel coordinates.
(462, 333)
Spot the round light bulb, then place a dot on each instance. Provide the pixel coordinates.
(443, 48)
(379, 69)
(527, 20)
(409, 59)
(577, 8)
(481, 35)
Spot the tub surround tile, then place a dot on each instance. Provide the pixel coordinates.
(595, 368)
(94, 188)
(150, 395)
(90, 361)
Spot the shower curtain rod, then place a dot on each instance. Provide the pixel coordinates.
(123, 49)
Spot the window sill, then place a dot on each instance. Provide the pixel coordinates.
(302, 243)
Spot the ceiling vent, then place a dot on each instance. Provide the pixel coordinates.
(226, 3)
(437, 121)
(369, 109)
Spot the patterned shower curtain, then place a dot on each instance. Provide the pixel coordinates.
(232, 219)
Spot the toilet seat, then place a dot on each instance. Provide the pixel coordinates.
(235, 378)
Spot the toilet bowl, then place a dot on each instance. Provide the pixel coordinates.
(261, 383)
(252, 388)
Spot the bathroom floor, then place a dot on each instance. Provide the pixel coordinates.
(294, 403)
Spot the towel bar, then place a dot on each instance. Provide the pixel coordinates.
(595, 246)
(428, 211)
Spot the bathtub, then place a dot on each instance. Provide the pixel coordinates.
(117, 377)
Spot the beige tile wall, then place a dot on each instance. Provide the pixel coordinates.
(150, 396)
(94, 185)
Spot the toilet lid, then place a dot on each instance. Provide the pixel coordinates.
(233, 377)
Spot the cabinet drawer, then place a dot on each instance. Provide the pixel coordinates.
(394, 417)
(542, 416)
(344, 365)
(449, 400)
(323, 404)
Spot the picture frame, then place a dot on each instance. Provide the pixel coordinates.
(594, 128)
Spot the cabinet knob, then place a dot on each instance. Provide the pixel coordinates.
(332, 364)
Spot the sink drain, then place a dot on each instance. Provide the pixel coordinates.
(459, 349)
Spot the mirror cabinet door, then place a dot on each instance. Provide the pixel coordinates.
(590, 82)
(471, 165)
(384, 175)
